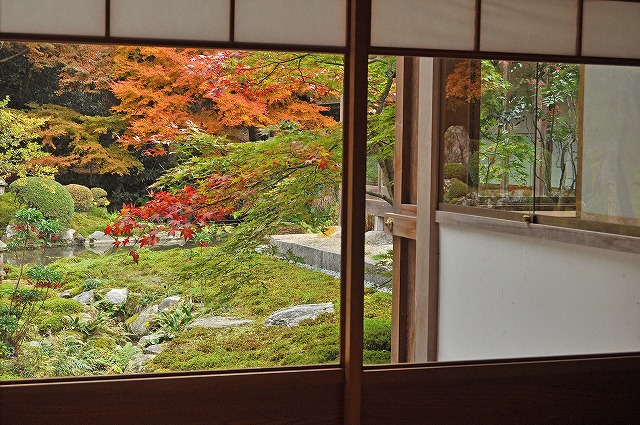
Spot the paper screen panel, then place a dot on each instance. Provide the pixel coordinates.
(611, 29)
(170, 19)
(56, 17)
(304, 22)
(432, 24)
(525, 26)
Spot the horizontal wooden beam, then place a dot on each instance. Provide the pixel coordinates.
(404, 225)
(541, 231)
(268, 397)
(577, 391)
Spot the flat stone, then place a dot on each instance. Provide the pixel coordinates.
(98, 238)
(168, 302)
(141, 326)
(117, 296)
(217, 322)
(292, 316)
(153, 349)
(378, 237)
(87, 297)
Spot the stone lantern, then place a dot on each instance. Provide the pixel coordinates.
(3, 185)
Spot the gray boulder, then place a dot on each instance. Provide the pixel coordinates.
(138, 363)
(151, 339)
(168, 302)
(117, 296)
(217, 322)
(141, 326)
(87, 297)
(153, 349)
(292, 316)
(98, 238)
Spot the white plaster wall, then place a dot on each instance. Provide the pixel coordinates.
(505, 296)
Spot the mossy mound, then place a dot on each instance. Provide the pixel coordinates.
(82, 197)
(455, 170)
(99, 197)
(47, 196)
(456, 190)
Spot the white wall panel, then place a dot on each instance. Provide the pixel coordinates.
(507, 296)
(59, 17)
(428, 24)
(170, 19)
(306, 22)
(525, 26)
(611, 29)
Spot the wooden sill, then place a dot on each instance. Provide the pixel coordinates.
(589, 238)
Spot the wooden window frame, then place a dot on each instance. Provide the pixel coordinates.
(575, 389)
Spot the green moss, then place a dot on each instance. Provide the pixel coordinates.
(455, 170)
(88, 222)
(458, 189)
(62, 306)
(377, 335)
(47, 196)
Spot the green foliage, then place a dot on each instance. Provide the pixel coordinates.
(82, 197)
(455, 170)
(47, 196)
(377, 335)
(19, 145)
(122, 355)
(8, 207)
(99, 197)
(175, 319)
(88, 222)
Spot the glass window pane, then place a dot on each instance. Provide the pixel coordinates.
(306, 22)
(433, 24)
(187, 20)
(72, 17)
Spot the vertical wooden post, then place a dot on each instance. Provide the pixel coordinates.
(353, 204)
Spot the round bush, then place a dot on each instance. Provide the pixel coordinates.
(47, 196)
(455, 170)
(82, 197)
(457, 190)
(99, 197)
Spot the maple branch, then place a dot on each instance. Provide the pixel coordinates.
(387, 88)
(380, 195)
(8, 58)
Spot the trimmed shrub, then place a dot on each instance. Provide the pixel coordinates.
(99, 197)
(457, 190)
(47, 196)
(7, 209)
(82, 197)
(455, 170)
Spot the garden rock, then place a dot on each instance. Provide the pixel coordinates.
(292, 316)
(150, 339)
(86, 297)
(217, 322)
(168, 302)
(65, 294)
(98, 238)
(377, 237)
(138, 363)
(3, 246)
(117, 296)
(154, 349)
(140, 327)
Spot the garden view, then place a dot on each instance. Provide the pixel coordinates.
(171, 168)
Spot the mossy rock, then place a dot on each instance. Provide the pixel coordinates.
(455, 170)
(82, 197)
(457, 190)
(47, 196)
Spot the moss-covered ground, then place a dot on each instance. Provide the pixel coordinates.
(249, 288)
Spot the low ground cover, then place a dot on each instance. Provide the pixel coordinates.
(70, 338)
